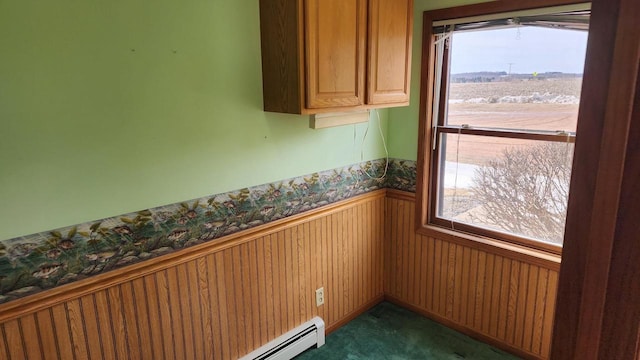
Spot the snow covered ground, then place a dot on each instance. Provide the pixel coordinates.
(458, 175)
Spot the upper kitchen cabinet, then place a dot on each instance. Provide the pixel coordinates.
(335, 55)
(389, 61)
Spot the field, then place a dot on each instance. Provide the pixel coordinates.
(550, 105)
(532, 105)
(566, 88)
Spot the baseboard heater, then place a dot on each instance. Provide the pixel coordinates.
(292, 343)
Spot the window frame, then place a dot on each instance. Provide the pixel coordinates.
(431, 128)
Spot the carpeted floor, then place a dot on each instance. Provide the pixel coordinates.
(392, 333)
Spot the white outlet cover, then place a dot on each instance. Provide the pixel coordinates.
(320, 296)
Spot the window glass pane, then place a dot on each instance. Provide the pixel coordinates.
(524, 77)
(510, 185)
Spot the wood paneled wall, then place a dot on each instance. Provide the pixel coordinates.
(213, 301)
(504, 300)
(224, 299)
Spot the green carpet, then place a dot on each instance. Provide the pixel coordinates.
(392, 333)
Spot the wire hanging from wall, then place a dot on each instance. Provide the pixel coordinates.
(384, 144)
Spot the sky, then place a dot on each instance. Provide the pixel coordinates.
(526, 49)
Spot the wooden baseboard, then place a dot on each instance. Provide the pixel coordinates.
(361, 310)
(463, 329)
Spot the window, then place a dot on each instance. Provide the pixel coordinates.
(501, 110)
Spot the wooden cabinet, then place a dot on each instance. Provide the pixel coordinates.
(335, 36)
(389, 66)
(335, 55)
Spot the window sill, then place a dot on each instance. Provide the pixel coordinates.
(542, 258)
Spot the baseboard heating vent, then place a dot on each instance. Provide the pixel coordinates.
(292, 343)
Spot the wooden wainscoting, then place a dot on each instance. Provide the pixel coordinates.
(508, 301)
(218, 300)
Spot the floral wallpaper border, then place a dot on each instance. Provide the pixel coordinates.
(41, 261)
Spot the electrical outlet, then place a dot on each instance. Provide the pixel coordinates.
(320, 296)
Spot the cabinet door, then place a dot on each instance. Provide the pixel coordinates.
(390, 32)
(335, 37)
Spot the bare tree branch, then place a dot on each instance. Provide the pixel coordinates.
(525, 191)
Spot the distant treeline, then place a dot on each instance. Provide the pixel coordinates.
(488, 76)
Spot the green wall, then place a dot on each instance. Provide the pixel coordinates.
(403, 128)
(108, 107)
